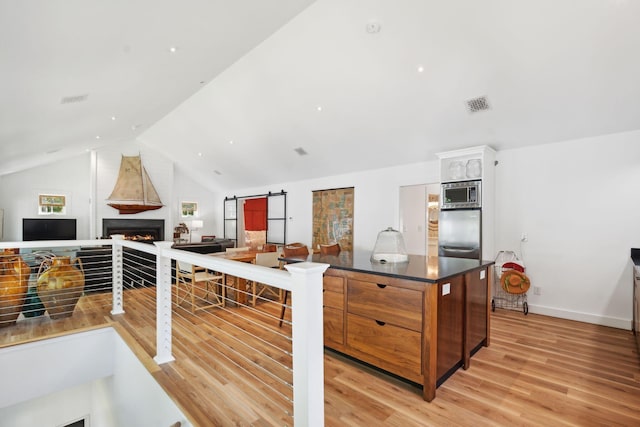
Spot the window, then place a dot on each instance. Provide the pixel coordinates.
(276, 217)
(230, 218)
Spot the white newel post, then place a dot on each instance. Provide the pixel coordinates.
(117, 305)
(308, 343)
(163, 305)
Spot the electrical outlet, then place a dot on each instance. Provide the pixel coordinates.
(537, 290)
(446, 289)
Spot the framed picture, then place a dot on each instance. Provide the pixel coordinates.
(333, 217)
(52, 204)
(188, 209)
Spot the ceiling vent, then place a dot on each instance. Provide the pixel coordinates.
(74, 99)
(478, 104)
(300, 151)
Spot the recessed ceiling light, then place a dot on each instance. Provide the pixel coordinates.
(231, 142)
(173, 49)
(319, 108)
(199, 154)
(113, 117)
(97, 136)
(373, 27)
(420, 68)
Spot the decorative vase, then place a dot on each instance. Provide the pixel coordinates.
(60, 285)
(14, 282)
(32, 305)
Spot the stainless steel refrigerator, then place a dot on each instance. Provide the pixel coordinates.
(460, 233)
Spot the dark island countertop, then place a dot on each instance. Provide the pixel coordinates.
(419, 267)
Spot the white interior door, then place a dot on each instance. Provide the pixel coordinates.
(413, 218)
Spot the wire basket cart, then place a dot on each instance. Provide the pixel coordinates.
(516, 298)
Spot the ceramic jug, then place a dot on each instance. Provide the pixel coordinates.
(60, 286)
(14, 283)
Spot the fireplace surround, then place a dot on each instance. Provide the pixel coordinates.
(145, 230)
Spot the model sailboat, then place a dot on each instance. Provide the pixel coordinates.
(133, 192)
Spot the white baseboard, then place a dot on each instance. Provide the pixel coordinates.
(614, 322)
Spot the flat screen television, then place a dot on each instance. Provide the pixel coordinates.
(48, 229)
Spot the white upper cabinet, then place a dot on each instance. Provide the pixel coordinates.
(466, 164)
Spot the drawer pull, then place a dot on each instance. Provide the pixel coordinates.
(381, 323)
(381, 286)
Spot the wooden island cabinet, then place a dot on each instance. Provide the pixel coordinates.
(420, 320)
(333, 311)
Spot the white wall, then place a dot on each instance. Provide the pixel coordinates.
(55, 381)
(19, 194)
(576, 200)
(376, 200)
(160, 170)
(210, 205)
(85, 354)
(89, 400)
(72, 178)
(578, 203)
(173, 186)
(138, 400)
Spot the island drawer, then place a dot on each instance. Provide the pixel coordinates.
(397, 350)
(385, 303)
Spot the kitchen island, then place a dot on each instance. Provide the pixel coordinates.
(420, 320)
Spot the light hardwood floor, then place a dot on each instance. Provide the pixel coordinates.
(538, 371)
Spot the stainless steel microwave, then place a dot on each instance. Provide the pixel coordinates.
(461, 195)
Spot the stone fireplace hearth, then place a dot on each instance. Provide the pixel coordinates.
(144, 230)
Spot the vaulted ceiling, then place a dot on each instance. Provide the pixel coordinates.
(250, 92)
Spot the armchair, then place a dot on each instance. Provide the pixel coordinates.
(198, 284)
